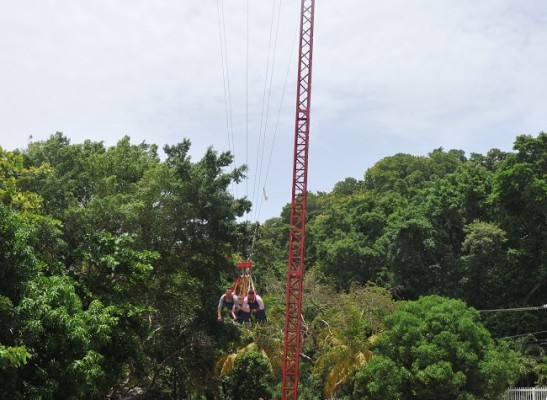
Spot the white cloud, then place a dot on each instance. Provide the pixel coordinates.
(389, 76)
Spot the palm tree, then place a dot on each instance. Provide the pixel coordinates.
(263, 339)
(340, 358)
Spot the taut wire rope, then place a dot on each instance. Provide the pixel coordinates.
(247, 99)
(279, 111)
(264, 148)
(263, 112)
(226, 83)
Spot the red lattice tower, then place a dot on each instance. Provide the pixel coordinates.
(297, 232)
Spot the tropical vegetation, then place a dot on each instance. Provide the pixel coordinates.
(425, 279)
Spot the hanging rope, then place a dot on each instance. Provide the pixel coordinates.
(294, 41)
(245, 282)
(247, 99)
(226, 83)
(265, 147)
(266, 97)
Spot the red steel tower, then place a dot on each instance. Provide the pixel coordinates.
(297, 232)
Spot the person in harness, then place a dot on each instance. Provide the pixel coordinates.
(256, 305)
(228, 299)
(242, 312)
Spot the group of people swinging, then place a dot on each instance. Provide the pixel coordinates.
(241, 308)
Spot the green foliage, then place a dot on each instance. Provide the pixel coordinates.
(13, 357)
(436, 348)
(149, 240)
(342, 328)
(407, 174)
(412, 252)
(112, 260)
(52, 322)
(251, 378)
(482, 262)
(345, 234)
(532, 360)
(520, 192)
(18, 260)
(382, 379)
(442, 224)
(12, 172)
(110, 268)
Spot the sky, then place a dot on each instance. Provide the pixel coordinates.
(389, 76)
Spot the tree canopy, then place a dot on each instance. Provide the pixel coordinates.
(436, 348)
(112, 260)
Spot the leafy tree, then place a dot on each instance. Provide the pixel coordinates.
(72, 179)
(341, 329)
(251, 378)
(343, 239)
(532, 360)
(413, 253)
(271, 252)
(394, 173)
(436, 348)
(64, 340)
(520, 192)
(54, 343)
(483, 261)
(193, 228)
(151, 239)
(123, 256)
(341, 352)
(20, 230)
(491, 161)
(407, 174)
(347, 187)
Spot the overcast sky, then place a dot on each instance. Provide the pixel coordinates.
(389, 76)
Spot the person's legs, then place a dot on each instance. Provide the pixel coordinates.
(260, 316)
